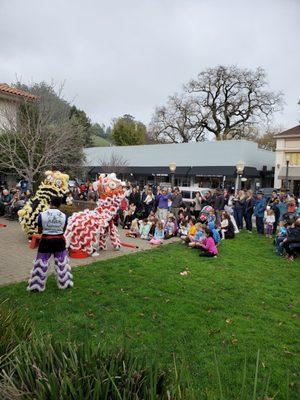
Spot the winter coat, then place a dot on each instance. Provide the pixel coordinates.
(259, 207)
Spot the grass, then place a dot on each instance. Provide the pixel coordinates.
(212, 321)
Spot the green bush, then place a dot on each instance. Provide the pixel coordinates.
(44, 369)
(13, 329)
(34, 367)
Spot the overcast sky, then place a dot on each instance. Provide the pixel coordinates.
(127, 56)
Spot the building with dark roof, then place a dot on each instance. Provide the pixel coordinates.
(211, 163)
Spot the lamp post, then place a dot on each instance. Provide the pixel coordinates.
(240, 166)
(172, 168)
(287, 159)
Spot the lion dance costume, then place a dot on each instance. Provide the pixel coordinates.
(55, 184)
(87, 231)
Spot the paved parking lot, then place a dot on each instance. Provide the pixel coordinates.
(16, 258)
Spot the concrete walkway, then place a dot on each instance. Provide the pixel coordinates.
(16, 258)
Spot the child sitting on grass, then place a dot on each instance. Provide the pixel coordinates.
(134, 229)
(208, 247)
(144, 230)
(183, 230)
(211, 216)
(181, 217)
(128, 219)
(170, 228)
(284, 227)
(153, 221)
(216, 235)
(227, 228)
(191, 232)
(197, 239)
(159, 234)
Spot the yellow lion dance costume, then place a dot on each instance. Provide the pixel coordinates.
(55, 184)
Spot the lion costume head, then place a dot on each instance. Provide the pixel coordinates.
(54, 184)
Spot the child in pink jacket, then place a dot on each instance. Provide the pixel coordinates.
(208, 247)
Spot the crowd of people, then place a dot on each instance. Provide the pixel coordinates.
(12, 200)
(157, 214)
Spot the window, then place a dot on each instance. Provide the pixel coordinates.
(294, 158)
(185, 194)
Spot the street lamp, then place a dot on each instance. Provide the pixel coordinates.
(172, 168)
(287, 159)
(240, 166)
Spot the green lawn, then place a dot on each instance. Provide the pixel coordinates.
(244, 301)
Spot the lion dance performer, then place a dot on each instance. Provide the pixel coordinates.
(55, 184)
(51, 224)
(87, 231)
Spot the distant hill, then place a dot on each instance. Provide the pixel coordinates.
(100, 142)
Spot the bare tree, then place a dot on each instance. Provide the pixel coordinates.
(224, 102)
(115, 163)
(265, 138)
(177, 121)
(43, 135)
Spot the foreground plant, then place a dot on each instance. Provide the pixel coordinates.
(44, 369)
(13, 329)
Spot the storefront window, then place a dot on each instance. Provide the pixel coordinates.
(210, 182)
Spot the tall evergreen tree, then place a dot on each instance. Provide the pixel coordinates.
(126, 131)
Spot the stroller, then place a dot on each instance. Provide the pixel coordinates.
(205, 214)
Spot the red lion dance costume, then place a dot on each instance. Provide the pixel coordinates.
(87, 231)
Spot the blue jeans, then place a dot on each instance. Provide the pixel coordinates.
(248, 220)
(279, 245)
(260, 225)
(238, 216)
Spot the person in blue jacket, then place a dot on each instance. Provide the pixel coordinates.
(216, 235)
(259, 210)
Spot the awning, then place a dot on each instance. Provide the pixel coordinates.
(293, 173)
(146, 171)
(203, 171)
(228, 171)
(207, 171)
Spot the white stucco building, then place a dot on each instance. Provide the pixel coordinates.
(287, 163)
(10, 99)
(204, 164)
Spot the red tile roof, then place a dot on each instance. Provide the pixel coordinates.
(11, 90)
(290, 132)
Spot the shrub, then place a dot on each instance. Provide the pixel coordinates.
(13, 329)
(44, 369)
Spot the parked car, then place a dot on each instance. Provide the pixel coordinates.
(189, 193)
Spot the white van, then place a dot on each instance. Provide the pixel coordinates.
(189, 193)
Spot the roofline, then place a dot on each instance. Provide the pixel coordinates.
(287, 134)
(21, 95)
(219, 142)
(295, 135)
